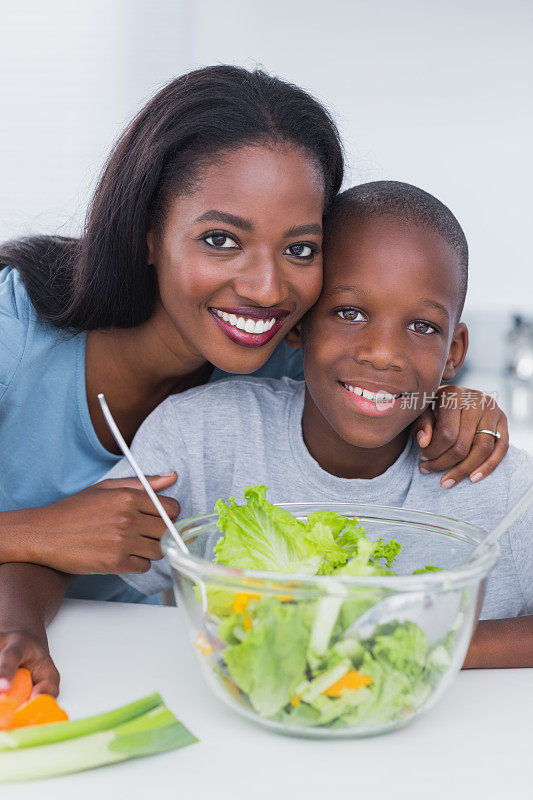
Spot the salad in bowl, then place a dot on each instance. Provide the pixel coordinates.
(276, 595)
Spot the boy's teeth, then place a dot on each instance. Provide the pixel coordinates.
(247, 325)
(377, 397)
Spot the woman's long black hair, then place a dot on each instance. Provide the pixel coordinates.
(103, 279)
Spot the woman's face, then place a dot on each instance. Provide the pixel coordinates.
(239, 259)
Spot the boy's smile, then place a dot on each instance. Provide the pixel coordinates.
(378, 342)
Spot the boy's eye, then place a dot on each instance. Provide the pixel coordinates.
(422, 327)
(301, 250)
(351, 314)
(221, 241)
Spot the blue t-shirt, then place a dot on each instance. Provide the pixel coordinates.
(48, 446)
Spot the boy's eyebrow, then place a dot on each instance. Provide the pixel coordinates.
(423, 301)
(338, 289)
(214, 215)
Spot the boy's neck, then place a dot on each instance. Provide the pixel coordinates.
(340, 458)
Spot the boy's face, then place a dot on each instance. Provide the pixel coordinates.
(384, 322)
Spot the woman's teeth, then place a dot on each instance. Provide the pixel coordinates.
(377, 397)
(247, 325)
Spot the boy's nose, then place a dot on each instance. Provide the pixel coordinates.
(381, 350)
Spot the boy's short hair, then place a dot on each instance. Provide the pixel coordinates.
(408, 203)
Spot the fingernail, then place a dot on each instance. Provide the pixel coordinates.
(167, 474)
(477, 477)
(4, 684)
(424, 458)
(424, 471)
(448, 483)
(420, 437)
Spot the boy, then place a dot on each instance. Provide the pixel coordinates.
(384, 333)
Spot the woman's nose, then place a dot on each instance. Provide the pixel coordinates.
(263, 283)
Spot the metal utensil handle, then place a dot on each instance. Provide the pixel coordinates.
(505, 523)
(140, 474)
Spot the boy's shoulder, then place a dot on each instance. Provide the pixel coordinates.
(235, 400)
(235, 390)
(492, 495)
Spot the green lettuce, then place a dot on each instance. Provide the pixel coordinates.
(262, 536)
(282, 655)
(271, 661)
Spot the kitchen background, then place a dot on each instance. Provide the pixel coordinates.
(434, 93)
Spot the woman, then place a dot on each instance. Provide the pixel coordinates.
(202, 249)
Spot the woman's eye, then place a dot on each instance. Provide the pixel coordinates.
(422, 327)
(301, 250)
(350, 315)
(221, 241)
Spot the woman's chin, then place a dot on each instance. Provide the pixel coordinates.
(241, 360)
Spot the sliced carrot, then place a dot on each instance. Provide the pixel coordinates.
(7, 711)
(242, 599)
(232, 689)
(21, 687)
(352, 680)
(39, 710)
(296, 700)
(203, 644)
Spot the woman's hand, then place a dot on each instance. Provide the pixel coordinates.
(29, 599)
(110, 528)
(24, 649)
(447, 435)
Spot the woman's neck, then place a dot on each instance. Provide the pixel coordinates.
(137, 368)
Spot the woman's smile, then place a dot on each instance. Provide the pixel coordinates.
(249, 326)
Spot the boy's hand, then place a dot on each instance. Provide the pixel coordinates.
(25, 649)
(501, 644)
(110, 528)
(448, 436)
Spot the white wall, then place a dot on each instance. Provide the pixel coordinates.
(435, 93)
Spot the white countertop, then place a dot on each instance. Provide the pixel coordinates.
(476, 743)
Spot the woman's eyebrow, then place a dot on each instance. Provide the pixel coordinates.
(229, 219)
(302, 230)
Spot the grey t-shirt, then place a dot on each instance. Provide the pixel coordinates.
(237, 432)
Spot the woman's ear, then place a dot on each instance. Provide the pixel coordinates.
(457, 352)
(151, 242)
(294, 336)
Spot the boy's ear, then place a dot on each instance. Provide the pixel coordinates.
(294, 336)
(457, 352)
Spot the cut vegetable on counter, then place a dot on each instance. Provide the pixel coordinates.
(18, 709)
(144, 727)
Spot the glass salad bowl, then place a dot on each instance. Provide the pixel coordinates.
(293, 651)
